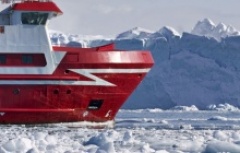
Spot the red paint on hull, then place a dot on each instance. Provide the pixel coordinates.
(70, 84)
(36, 104)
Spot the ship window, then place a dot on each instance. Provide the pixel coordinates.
(2, 59)
(95, 104)
(27, 59)
(34, 18)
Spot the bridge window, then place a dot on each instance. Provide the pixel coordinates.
(27, 59)
(34, 18)
(2, 59)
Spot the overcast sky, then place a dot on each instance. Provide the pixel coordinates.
(110, 17)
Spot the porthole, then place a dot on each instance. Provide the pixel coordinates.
(56, 91)
(69, 92)
(16, 91)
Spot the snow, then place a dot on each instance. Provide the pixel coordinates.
(203, 27)
(220, 118)
(136, 32)
(15, 145)
(219, 146)
(185, 108)
(166, 32)
(208, 28)
(222, 107)
(60, 39)
(143, 131)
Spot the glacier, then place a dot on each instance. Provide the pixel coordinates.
(198, 68)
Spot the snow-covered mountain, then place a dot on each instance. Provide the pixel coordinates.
(59, 38)
(136, 32)
(166, 32)
(208, 28)
(201, 68)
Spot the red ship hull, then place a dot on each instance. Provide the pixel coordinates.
(109, 79)
(41, 83)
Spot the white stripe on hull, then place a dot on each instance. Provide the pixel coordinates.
(89, 73)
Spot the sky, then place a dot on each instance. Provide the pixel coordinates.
(111, 17)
